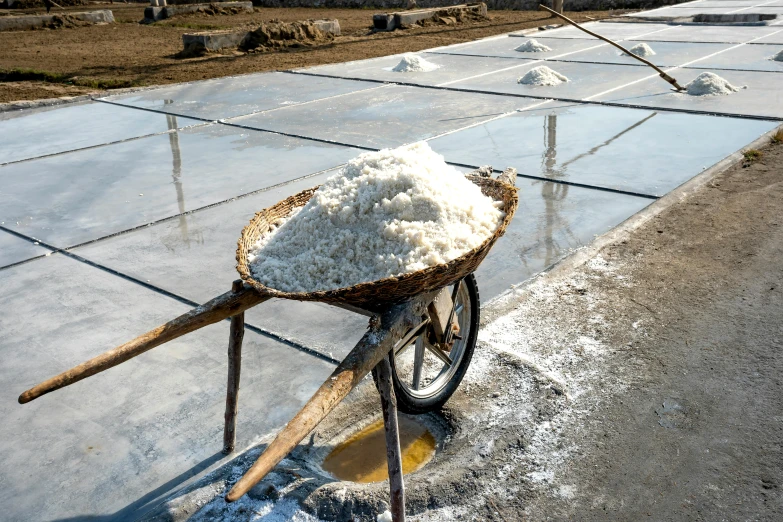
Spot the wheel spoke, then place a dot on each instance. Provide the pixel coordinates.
(418, 361)
(440, 354)
(458, 310)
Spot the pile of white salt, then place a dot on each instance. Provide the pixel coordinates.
(778, 57)
(542, 75)
(414, 63)
(532, 46)
(710, 84)
(642, 50)
(385, 213)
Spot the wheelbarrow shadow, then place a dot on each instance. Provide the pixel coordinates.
(151, 501)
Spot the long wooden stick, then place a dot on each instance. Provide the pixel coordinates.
(623, 49)
(370, 349)
(383, 373)
(215, 310)
(234, 371)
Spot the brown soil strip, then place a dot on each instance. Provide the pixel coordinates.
(128, 53)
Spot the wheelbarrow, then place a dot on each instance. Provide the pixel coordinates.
(421, 336)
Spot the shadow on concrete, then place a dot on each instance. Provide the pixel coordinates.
(151, 500)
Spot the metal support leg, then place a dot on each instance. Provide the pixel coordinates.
(234, 367)
(393, 453)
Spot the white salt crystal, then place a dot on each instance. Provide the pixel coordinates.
(542, 75)
(532, 46)
(710, 84)
(642, 50)
(414, 63)
(385, 213)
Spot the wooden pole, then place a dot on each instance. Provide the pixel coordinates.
(210, 312)
(371, 348)
(557, 5)
(234, 368)
(383, 376)
(623, 49)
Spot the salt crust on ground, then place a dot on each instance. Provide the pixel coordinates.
(710, 84)
(385, 213)
(642, 50)
(532, 46)
(414, 63)
(542, 75)
(778, 57)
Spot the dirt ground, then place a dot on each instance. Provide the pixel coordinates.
(697, 432)
(127, 53)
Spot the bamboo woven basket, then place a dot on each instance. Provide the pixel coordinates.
(383, 291)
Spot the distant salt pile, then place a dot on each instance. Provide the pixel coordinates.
(385, 213)
(710, 84)
(778, 57)
(532, 46)
(414, 63)
(542, 75)
(642, 50)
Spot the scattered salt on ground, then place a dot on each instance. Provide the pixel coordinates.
(642, 50)
(414, 63)
(532, 46)
(542, 75)
(386, 516)
(386, 213)
(710, 84)
(778, 57)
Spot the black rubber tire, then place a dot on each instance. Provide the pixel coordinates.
(414, 406)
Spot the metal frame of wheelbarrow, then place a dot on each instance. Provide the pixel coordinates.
(391, 327)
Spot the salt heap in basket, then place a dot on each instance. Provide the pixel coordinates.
(386, 213)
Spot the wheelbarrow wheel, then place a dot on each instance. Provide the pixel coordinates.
(425, 376)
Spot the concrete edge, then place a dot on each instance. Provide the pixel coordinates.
(506, 301)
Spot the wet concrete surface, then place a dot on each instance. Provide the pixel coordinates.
(81, 196)
(51, 130)
(113, 444)
(239, 95)
(149, 428)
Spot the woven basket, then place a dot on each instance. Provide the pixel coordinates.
(383, 291)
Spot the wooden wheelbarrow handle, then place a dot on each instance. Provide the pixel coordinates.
(213, 311)
(660, 72)
(394, 326)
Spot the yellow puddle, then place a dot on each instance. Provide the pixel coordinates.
(362, 457)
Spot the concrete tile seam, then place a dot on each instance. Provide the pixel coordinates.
(117, 142)
(713, 68)
(292, 135)
(626, 38)
(162, 291)
(563, 182)
(484, 122)
(25, 261)
(531, 62)
(375, 87)
(199, 209)
(156, 111)
(566, 100)
(207, 120)
(667, 70)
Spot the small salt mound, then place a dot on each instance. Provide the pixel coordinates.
(385, 213)
(414, 63)
(778, 57)
(542, 75)
(642, 50)
(532, 46)
(710, 84)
